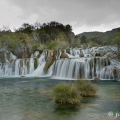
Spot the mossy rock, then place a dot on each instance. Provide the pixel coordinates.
(8, 56)
(81, 55)
(96, 78)
(38, 56)
(68, 51)
(28, 65)
(64, 55)
(35, 63)
(23, 76)
(116, 72)
(26, 55)
(55, 54)
(98, 54)
(50, 60)
(2, 58)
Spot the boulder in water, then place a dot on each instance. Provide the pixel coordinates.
(96, 78)
(98, 54)
(64, 55)
(82, 55)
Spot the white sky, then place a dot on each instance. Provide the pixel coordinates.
(82, 15)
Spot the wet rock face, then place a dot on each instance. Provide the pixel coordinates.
(48, 63)
(116, 72)
(98, 54)
(96, 78)
(51, 52)
(21, 52)
(2, 58)
(81, 55)
(64, 55)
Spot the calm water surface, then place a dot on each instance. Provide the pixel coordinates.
(30, 99)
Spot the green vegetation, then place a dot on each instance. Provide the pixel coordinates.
(29, 38)
(66, 94)
(51, 45)
(100, 38)
(53, 35)
(35, 47)
(86, 88)
(9, 42)
(90, 34)
(93, 45)
(71, 94)
(116, 41)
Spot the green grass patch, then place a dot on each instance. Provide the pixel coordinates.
(86, 88)
(72, 93)
(66, 94)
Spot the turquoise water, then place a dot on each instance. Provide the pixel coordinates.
(30, 99)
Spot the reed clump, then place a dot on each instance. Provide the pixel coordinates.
(86, 88)
(73, 93)
(66, 94)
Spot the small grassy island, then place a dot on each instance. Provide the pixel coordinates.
(86, 88)
(66, 94)
(73, 93)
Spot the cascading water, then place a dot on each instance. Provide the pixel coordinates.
(21, 67)
(89, 66)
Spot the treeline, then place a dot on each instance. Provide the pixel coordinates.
(53, 35)
(29, 38)
(99, 38)
(92, 39)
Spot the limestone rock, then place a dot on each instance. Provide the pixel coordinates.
(64, 55)
(82, 55)
(48, 63)
(98, 54)
(2, 58)
(21, 52)
(96, 78)
(51, 52)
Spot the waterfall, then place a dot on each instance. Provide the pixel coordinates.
(86, 68)
(89, 66)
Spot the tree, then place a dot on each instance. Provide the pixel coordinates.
(37, 25)
(83, 39)
(9, 42)
(26, 28)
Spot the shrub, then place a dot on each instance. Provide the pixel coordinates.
(66, 94)
(51, 45)
(35, 47)
(85, 88)
(94, 45)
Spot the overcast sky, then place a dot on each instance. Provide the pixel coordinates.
(83, 15)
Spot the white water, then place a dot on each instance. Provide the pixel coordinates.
(87, 67)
